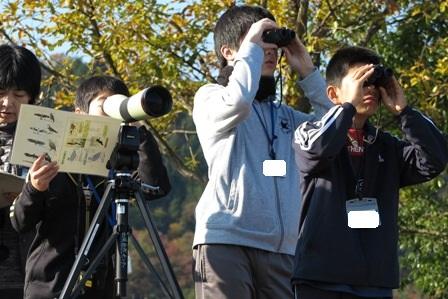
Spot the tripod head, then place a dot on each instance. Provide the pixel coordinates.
(124, 160)
(124, 157)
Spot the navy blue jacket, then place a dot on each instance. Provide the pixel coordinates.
(328, 251)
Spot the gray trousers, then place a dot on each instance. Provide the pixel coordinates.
(238, 272)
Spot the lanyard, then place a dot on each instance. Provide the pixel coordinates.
(357, 141)
(97, 197)
(359, 180)
(262, 120)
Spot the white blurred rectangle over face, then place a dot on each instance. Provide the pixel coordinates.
(363, 219)
(274, 168)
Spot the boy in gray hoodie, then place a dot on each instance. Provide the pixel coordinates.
(247, 217)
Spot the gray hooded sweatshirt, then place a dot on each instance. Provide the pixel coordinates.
(240, 205)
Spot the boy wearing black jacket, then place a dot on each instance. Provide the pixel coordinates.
(58, 204)
(351, 174)
(20, 77)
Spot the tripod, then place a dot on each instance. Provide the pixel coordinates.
(121, 188)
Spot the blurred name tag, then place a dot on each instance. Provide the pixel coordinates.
(274, 168)
(10, 186)
(363, 213)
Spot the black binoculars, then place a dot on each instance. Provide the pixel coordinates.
(281, 36)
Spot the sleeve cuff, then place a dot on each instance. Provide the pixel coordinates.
(250, 51)
(405, 111)
(31, 190)
(312, 83)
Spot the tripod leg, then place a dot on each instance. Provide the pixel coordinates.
(94, 264)
(81, 258)
(149, 265)
(169, 273)
(121, 250)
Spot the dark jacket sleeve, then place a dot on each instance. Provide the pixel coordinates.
(424, 149)
(318, 143)
(27, 209)
(151, 171)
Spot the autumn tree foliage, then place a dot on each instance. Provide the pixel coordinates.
(148, 42)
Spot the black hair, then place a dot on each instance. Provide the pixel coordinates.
(345, 58)
(90, 88)
(234, 24)
(20, 69)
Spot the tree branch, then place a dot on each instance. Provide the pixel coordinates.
(97, 35)
(178, 164)
(375, 26)
(204, 69)
(302, 18)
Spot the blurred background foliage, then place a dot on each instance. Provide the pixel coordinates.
(148, 42)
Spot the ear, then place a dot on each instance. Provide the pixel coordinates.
(332, 93)
(228, 53)
(79, 111)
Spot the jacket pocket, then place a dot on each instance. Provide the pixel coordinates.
(36, 268)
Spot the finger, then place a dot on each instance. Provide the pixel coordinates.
(42, 182)
(362, 70)
(392, 87)
(37, 163)
(256, 31)
(53, 176)
(45, 165)
(288, 53)
(46, 176)
(366, 74)
(395, 83)
(264, 24)
(47, 168)
(268, 22)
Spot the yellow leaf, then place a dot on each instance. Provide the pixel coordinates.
(179, 20)
(416, 11)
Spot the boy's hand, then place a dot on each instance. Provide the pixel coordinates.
(351, 90)
(256, 31)
(393, 97)
(298, 58)
(42, 172)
